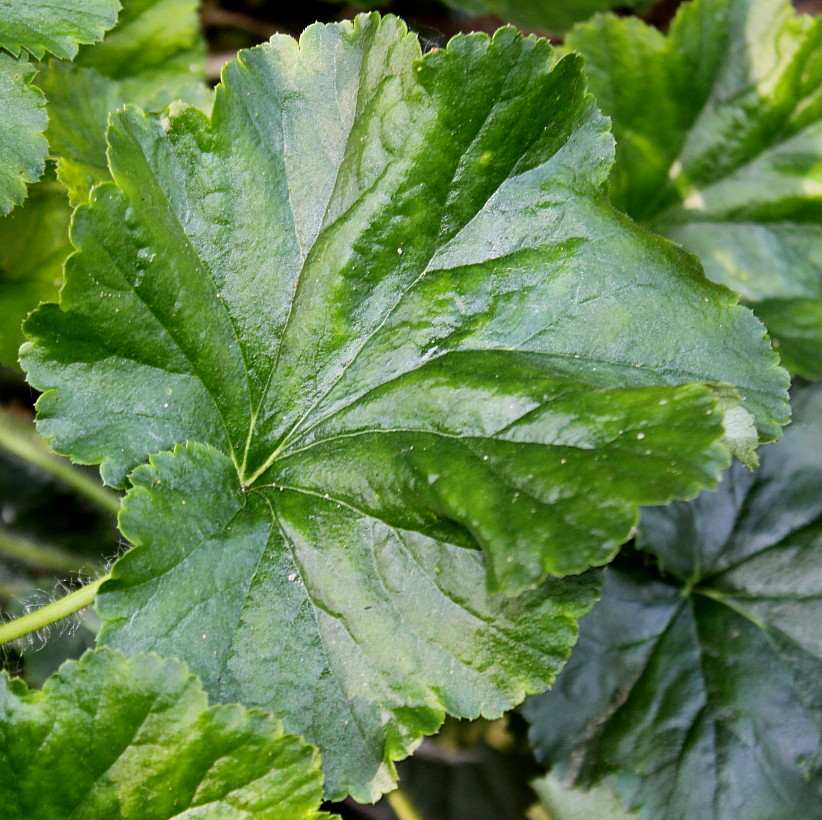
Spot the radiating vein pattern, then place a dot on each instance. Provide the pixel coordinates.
(384, 360)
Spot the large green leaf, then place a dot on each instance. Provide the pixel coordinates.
(54, 26)
(22, 123)
(727, 158)
(154, 56)
(699, 685)
(385, 299)
(134, 738)
(549, 16)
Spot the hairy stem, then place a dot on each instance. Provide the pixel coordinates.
(39, 555)
(401, 806)
(49, 614)
(19, 439)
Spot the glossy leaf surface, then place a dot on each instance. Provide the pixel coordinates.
(727, 160)
(698, 686)
(54, 26)
(134, 738)
(22, 123)
(384, 299)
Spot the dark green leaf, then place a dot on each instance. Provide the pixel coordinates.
(698, 686)
(384, 298)
(727, 158)
(134, 738)
(54, 26)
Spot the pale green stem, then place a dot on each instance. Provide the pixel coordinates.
(49, 614)
(19, 439)
(401, 806)
(39, 555)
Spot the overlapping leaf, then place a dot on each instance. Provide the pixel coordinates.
(699, 686)
(22, 123)
(134, 738)
(154, 56)
(33, 246)
(384, 298)
(719, 132)
(54, 26)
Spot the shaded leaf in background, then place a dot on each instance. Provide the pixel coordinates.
(546, 16)
(364, 293)
(134, 738)
(697, 685)
(33, 246)
(154, 56)
(564, 803)
(727, 158)
(54, 26)
(22, 123)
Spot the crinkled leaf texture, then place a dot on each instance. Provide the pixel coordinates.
(384, 299)
(155, 55)
(23, 120)
(566, 803)
(135, 739)
(548, 16)
(54, 26)
(727, 159)
(698, 687)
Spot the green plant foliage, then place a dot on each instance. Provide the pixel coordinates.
(154, 56)
(696, 680)
(719, 133)
(548, 16)
(54, 26)
(564, 803)
(22, 123)
(365, 293)
(134, 738)
(33, 246)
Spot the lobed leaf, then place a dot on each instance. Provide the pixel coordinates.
(697, 687)
(54, 26)
(727, 161)
(384, 300)
(134, 738)
(22, 123)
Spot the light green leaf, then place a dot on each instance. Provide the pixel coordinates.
(154, 56)
(54, 26)
(547, 16)
(22, 123)
(134, 738)
(385, 296)
(33, 245)
(697, 686)
(727, 160)
(564, 803)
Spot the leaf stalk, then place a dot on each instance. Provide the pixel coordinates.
(51, 613)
